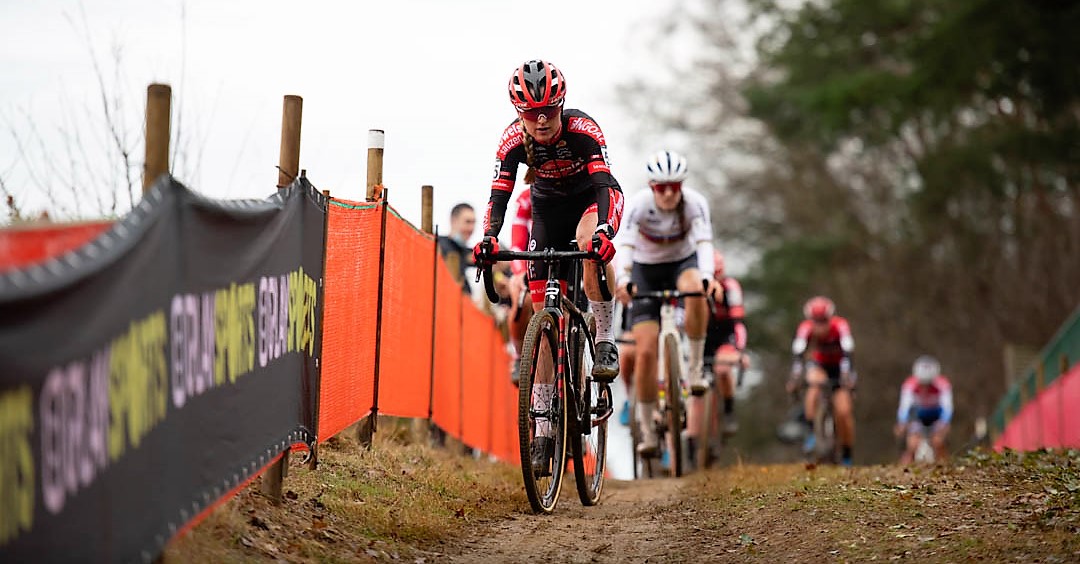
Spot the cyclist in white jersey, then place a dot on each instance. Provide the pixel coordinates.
(666, 244)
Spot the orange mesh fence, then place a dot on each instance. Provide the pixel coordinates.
(504, 435)
(446, 395)
(469, 394)
(351, 293)
(477, 377)
(405, 350)
(23, 246)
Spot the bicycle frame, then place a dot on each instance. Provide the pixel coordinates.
(560, 305)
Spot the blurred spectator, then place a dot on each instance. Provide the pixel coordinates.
(455, 246)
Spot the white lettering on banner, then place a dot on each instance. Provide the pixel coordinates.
(74, 409)
(191, 321)
(273, 318)
(588, 127)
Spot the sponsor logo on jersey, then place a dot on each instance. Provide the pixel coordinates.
(616, 210)
(598, 166)
(588, 127)
(558, 168)
(511, 138)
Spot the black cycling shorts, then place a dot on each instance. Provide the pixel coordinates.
(555, 221)
(653, 278)
(719, 333)
(832, 371)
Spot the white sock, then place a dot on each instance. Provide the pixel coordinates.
(697, 350)
(603, 312)
(541, 401)
(645, 416)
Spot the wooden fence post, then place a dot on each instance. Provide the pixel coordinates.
(420, 427)
(158, 108)
(376, 143)
(288, 170)
(289, 156)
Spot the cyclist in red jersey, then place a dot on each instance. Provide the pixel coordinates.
(574, 197)
(827, 338)
(725, 342)
(519, 241)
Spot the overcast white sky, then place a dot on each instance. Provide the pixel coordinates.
(431, 73)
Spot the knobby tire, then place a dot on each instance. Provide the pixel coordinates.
(674, 412)
(543, 492)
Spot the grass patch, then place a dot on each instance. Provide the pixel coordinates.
(393, 501)
(985, 507)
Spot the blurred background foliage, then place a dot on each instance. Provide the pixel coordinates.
(915, 160)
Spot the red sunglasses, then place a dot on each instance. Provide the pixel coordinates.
(533, 114)
(665, 187)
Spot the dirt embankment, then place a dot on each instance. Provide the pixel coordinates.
(985, 508)
(406, 503)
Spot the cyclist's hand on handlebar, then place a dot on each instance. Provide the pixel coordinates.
(713, 289)
(744, 360)
(602, 245)
(484, 250)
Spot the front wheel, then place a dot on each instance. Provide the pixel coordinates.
(674, 407)
(542, 412)
(825, 428)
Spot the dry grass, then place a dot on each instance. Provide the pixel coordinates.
(395, 501)
(987, 507)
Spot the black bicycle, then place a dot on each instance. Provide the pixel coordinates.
(559, 401)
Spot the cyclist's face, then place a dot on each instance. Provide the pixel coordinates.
(666, 194)
(543, 124)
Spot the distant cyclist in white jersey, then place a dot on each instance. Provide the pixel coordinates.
(666, 244)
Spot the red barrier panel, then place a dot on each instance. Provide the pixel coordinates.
(405, 361)
(504, 407)
(477, 332)
(351, 294)
(22, 246)
(470, 395)
(1050, 420)
(446, 396)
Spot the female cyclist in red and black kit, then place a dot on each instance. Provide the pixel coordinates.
(574, 195)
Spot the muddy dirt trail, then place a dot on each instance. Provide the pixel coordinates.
(636, 521)
(989, 510)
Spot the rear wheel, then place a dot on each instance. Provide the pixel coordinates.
(536, 377)
(709, 428)
(673, 409)
(589, 436)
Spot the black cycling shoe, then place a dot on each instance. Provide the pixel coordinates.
(606, 366)
(540, 453)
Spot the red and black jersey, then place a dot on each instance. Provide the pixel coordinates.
(572, 164)
(828, 346)
(726, 319)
